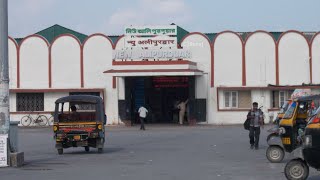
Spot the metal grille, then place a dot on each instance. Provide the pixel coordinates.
(86, 106)
(30, 101)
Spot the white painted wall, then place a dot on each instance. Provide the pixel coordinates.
(260, 60)
(201, 54)
(13, 104)
(316, 60)
(65, 61)
(121, 88)
(238, 117)
(293, 59)
(227, 60)
(12, 64)
(34, 64)
(50, 98)
(263, 98)
(97, 58)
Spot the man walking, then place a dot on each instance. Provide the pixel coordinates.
(142, 114)
(182, 107)
(256, 120)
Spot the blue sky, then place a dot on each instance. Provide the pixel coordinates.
(111, 16)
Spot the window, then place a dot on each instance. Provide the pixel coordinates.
(30, 102)
(282, 98)
(278, 98)
(231, 99)
(85, 106)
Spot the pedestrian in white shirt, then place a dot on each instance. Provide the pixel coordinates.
(142, 114)
(182, 107)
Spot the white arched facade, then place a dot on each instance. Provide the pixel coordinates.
(200, 48)
(315, 47)
(294, 67)
(65, 62)
(13, 58)
(97, 57)
(57, 69)
(227, 60)
(34, 50)
(260, 56)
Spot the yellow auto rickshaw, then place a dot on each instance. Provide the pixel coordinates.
(308, 154)
(79, 122)
(286, 137)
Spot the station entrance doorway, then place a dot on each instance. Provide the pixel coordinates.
(160, 95)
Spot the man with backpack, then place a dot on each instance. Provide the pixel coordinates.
(255, 116)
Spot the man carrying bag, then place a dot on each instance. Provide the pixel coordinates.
(253, 123)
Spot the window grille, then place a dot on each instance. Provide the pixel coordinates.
(30, 101)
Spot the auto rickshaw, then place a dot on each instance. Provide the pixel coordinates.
(83, 128)
(286, 137)
(308, 154)
(283, 109)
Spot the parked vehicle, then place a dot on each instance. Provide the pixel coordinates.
(287, 136)
(81, 128)
(308, 155)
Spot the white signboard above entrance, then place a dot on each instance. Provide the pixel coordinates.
(151, 30)
(3, 150)
(151, 54)
(158, 41)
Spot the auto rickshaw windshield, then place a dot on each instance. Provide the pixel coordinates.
(290, 111)
(317, 112)
(285, 106)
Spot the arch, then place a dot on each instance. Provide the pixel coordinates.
(274, 43)
(50, 54)
(312, 55)
(95, 49)
(84, 42)
(116, 43)
(211, 51)
(21, 45)
(17, 58)
(277, 53)
(243, 54)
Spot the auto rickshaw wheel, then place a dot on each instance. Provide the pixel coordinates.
(100, 150)
(86, 148)
(296, 169)
(275, 154)
(60, 151)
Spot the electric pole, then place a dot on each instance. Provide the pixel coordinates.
(4, 84)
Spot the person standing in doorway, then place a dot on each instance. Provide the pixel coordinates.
(142, 114)
(256, 120)
(182, 107)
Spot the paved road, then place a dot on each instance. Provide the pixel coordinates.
(161, 152)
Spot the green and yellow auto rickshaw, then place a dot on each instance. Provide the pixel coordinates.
(287, 136)
(308, 155)
(79, 122)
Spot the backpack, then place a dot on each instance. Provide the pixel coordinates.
(246, 124)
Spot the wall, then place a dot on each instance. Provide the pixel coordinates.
(34, 59)
(227, 60)
(65, 62)
(13, 58)
(293, 59)
(260, 54)
(315, 48)
(97, 57)
(224, 63)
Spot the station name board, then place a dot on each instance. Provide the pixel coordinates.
(151, 30)
(152, 54)
(158, 41)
